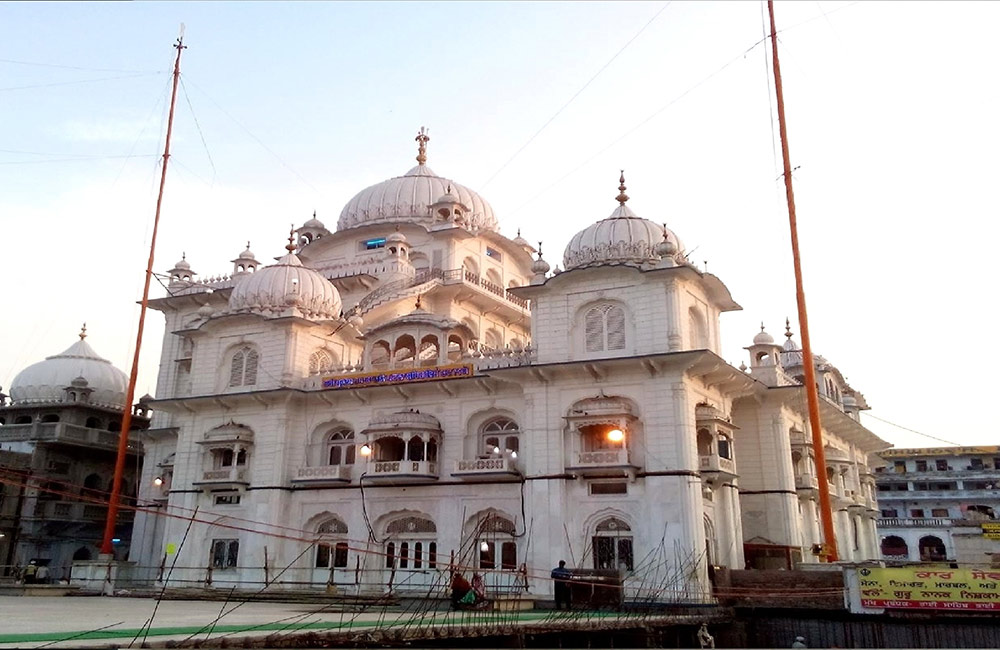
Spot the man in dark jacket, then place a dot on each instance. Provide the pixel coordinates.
(561, 576)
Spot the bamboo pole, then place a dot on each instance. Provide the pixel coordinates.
(812, 394)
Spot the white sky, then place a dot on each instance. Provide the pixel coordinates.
(293, 107)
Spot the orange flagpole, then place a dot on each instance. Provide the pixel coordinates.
(116, 485)
(812, 394)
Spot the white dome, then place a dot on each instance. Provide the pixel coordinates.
(622, 238)
(285, 286)
(408, 199)
(763, 338)
(46, 381)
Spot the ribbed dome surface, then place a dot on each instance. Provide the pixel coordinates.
(408, 199)
(622, 238)
(46, 381)
(284, 286)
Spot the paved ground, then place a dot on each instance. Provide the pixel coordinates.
(76, 621)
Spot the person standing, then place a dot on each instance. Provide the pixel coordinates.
(42, 575)
(561, 576)
(30, 573)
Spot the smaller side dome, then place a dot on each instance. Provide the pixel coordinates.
(763, 338)
(623, 238)
(311, 230)
(245, 262)
(287, 288)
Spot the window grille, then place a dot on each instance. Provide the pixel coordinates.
(604, 328)
(319, 360)
(411, 525)
(243, 368)
(225, 553)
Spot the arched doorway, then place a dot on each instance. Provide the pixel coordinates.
(932, 549)
(895, 547)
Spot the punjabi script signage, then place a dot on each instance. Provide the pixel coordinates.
(917, 588)
(406, 376)
(991, 529)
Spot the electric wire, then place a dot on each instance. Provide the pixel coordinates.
(76, 67)
(197, 126)
(77, 81)
(919, 433)
(575, 95)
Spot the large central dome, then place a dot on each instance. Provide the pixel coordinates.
(408, 198)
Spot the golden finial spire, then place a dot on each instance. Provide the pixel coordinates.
(422, 140)
(83, 332)
(290, 246)
(622, 196)
(788, 328)
(418, 306)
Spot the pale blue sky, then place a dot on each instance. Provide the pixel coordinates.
(892, 117)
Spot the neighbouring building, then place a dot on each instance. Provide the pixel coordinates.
(59, 433)
(940, 504)
(414, 391)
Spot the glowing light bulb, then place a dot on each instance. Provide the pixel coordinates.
(513, 455)
(616, 435)
(157, 481)
(496, 450)
(366, 450)
(484, 547)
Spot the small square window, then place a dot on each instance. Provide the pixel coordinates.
(227, 499)
(372, 244)
(618, 487)
(941, 465)
(494, 253)
(939, 512)
(917, 512)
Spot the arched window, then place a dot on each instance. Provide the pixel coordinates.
(493, 339)
(497, 533)
(698, 331)
(704, 442)
(932, 549)
(319, 360)
(405, 350)
(414, 546)
(455, 347)
(50, 417)
(93, 423)
(341, 447)
(429, 350)
(380, 354)
(612, 545)
(604, 328)
(389, 448)
(332, 549)
(894, 546)
(243, 369)
(500, 435)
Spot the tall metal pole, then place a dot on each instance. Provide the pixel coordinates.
(812, 394)
(116, 485)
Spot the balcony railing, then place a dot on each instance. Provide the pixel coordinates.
(714, 463)
(601, 462)
(499, 467)
(224, 476)
(64, 432)
(403, 470)
(75, 511)
(806, 482)
(324, 474)
(918, 522)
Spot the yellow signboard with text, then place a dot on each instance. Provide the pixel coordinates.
(918, 588)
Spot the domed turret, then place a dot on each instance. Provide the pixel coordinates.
(181, 273)
(413, 197)
(539, 267)
(622, 239)
(245, 262)
(77, 374)
(287, 288)
(762, 337)
(311, 231)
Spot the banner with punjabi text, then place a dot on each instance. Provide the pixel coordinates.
(919, 588)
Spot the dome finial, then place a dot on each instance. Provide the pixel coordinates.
(762, 326)
(290, 246)
(622, 196)
(539, 250)
(788, 328)
(422, 140)
(419, 305)
(83, 332)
